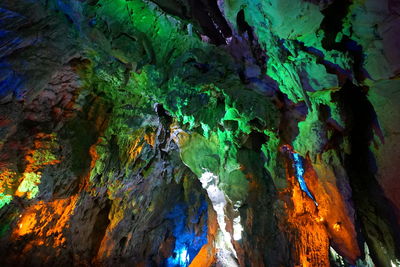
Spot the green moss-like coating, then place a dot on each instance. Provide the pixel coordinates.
(4, 200)
(30, 184)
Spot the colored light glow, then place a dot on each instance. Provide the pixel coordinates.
(298, 164)
(187, 242)
(336, 257)
(237, 229)
(224, 245)
(6, 181)
(337, 227)
(46, 221)
(367, 262)
(29, 185)
(180, 258)
(4, 200)
(37, 157)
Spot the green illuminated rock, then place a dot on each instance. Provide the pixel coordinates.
(138, 117)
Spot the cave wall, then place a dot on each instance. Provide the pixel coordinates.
(201, 133)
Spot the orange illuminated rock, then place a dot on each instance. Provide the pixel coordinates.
(46, 221)
(207, 255)
(315, 227)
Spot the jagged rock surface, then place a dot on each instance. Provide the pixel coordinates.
(210, 133)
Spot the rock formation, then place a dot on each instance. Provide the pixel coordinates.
(200, 133)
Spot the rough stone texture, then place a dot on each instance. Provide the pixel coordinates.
(202, 133)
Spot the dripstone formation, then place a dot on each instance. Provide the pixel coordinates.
(200, 133)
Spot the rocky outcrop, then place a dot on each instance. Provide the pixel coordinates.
(201, 133)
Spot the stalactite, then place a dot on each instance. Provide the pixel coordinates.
(199, 133)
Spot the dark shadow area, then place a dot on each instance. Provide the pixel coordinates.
(375, 213)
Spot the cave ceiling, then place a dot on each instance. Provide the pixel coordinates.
(200, 133)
